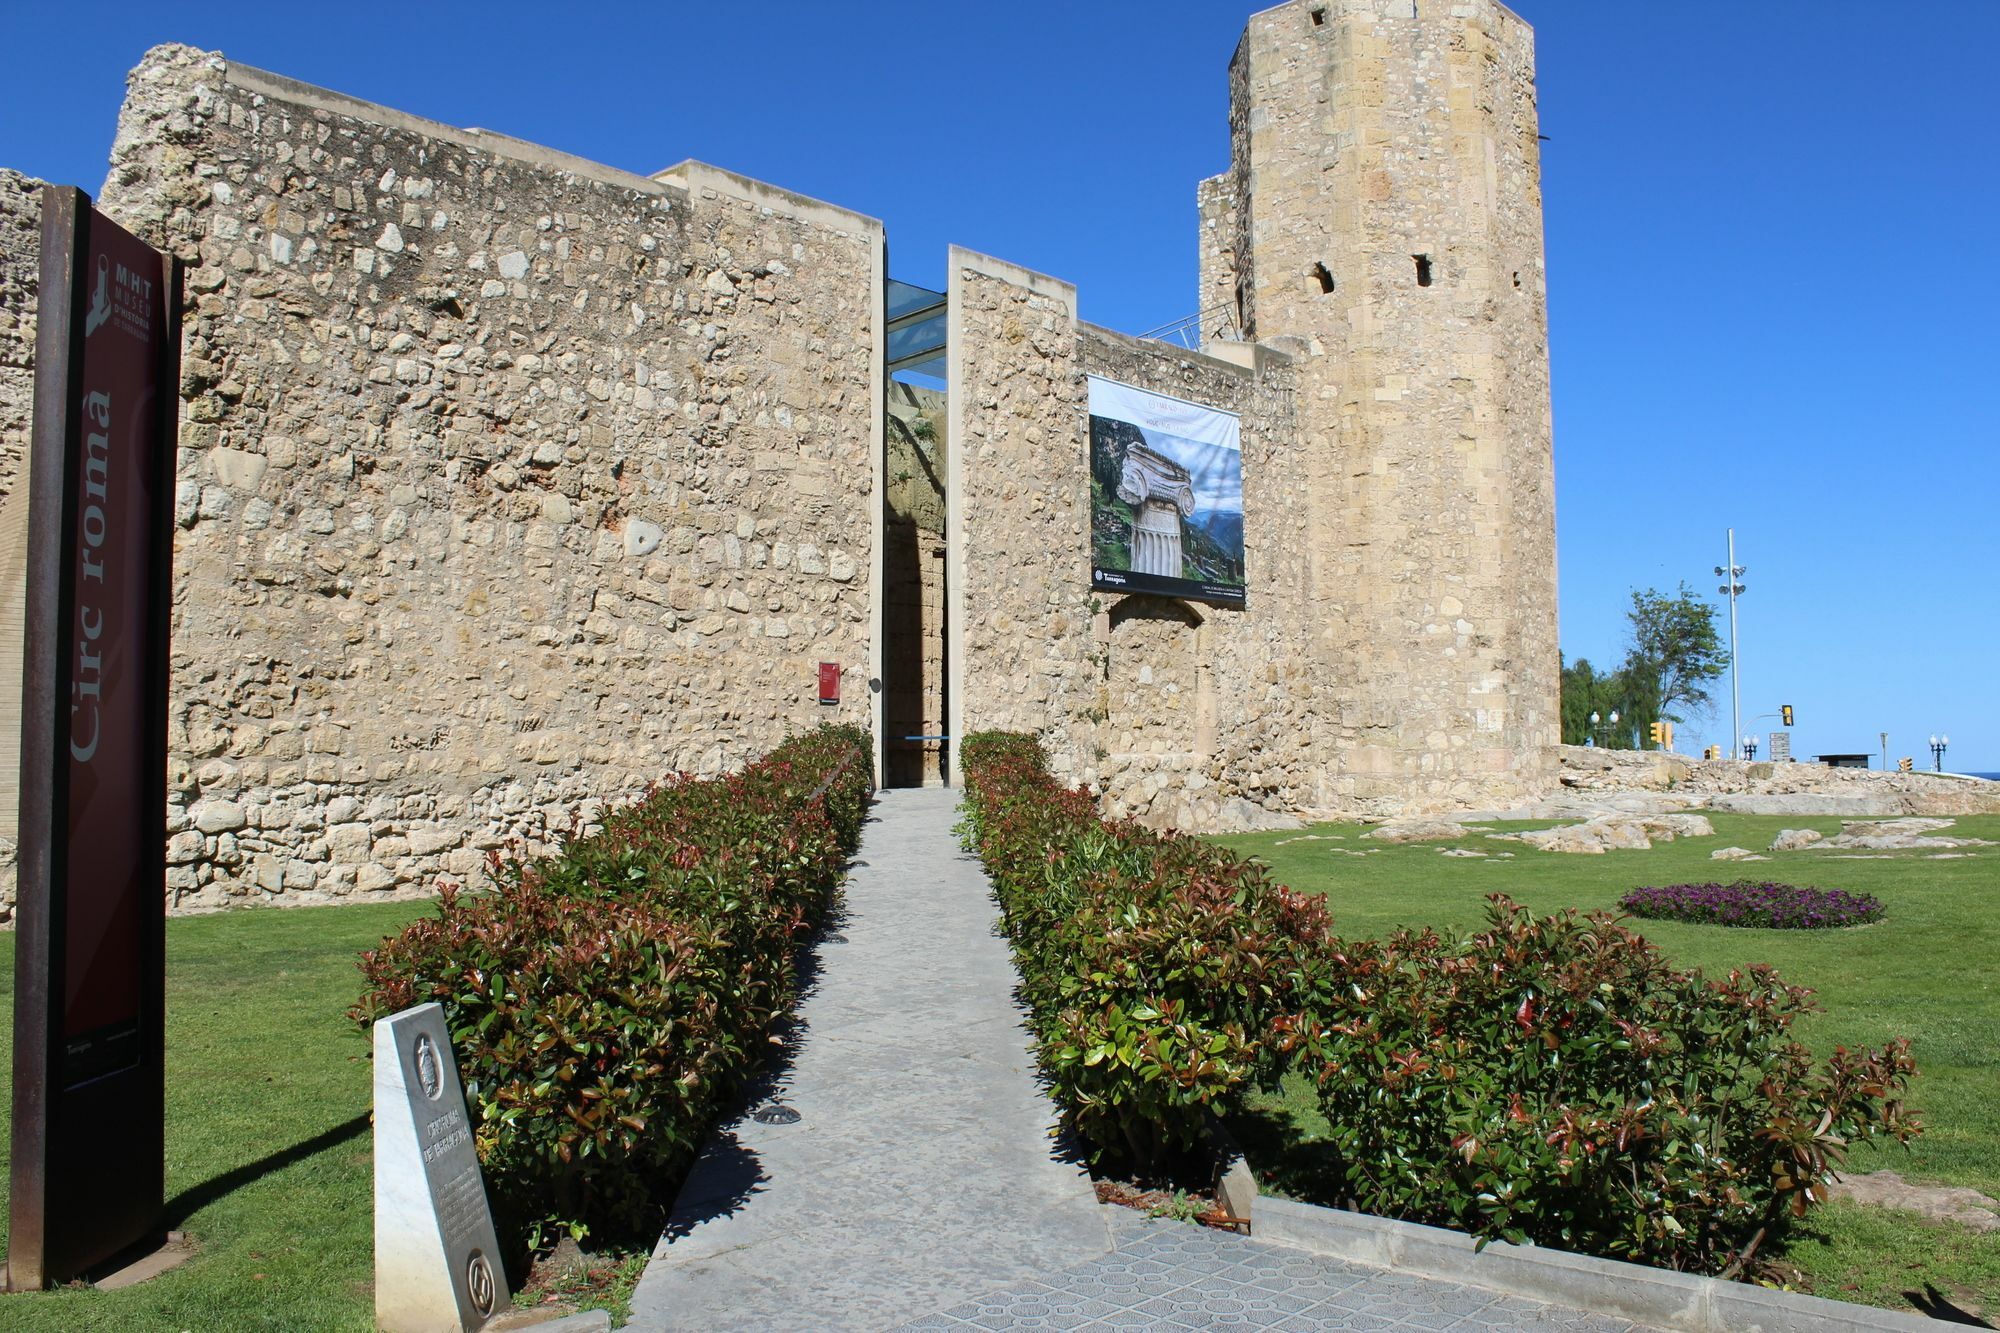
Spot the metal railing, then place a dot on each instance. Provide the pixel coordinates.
(1215, 324)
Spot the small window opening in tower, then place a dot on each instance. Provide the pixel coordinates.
(1423, 270)
(1319, 18)
(1325, 279)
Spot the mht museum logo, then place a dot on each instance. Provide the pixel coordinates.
(122, 297)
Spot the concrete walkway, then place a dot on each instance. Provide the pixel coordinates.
(920, 1172)
(1173, 1277)
(918, 1184)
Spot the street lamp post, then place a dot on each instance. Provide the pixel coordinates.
(1749, 746)
(1734, 587)
(1938, 746)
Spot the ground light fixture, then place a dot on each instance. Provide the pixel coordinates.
(1938, 747)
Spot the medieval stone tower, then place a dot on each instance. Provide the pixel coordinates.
(1382, 220)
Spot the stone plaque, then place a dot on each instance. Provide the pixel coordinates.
(437, 1260)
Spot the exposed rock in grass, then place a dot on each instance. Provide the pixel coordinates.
(1795, 839)
(1901, 842)
(1735, 854)
(1950, 1203)
(1893, 827)
(1417, 830)
(1666, 828)
(1612, 833)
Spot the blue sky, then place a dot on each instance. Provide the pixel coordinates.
(1774, 282)
(1215, 474)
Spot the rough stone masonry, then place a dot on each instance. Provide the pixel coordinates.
(506, 481)
(510, 483)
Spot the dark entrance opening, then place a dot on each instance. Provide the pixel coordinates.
(915, 703)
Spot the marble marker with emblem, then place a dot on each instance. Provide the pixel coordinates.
(437, 1260)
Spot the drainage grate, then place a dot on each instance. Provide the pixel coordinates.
(775, 1113)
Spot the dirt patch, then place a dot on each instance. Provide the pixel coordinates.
(1199, 1206)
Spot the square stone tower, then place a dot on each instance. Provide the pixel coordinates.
(1382, 220)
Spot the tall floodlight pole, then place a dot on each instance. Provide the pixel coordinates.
(1733, 588)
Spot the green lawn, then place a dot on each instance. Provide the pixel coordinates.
(1930, 971)
(269, 1162)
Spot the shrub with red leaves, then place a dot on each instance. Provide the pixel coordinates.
(604, 1002)
(1556, 1080)
(1165, 976)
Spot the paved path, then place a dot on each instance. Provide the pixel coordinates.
(920, 1173)
(1173, 1277)
(919, 1182)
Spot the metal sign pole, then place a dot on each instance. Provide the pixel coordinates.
(88, 1157)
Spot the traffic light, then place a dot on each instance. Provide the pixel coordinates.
(1904, 765)
(1658, 733)
(1670, 736)
(1712, 752)
(1786, 710)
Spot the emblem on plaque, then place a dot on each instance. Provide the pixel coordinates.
(479, 1283)
(429, 1077)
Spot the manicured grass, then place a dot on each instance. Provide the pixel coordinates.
(269, 1160)
(1930, 970)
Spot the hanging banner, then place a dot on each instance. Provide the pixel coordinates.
(88, 1145)
(1166, 496)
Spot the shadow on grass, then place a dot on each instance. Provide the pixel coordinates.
(1934, 1304)
(191, 1201)
(1287, 1164)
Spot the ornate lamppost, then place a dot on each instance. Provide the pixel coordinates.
(1594, 731)
(1749, 746)
(1938, 746)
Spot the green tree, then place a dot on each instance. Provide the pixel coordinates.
(1675, 654)
(1630, 694)
(1583, 692)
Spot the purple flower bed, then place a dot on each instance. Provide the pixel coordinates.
(1750, 902)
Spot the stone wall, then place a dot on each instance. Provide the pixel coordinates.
(1017, 496)
(1182, 714)
(20, 274)
(1210, 717)
(1387, 206)
(20, 271)
(1217, 238)
(508, 484)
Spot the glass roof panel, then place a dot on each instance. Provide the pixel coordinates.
(906, 298)
(926, 335)
(928, 372)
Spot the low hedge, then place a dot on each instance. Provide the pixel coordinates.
(1551, 1080)
(1557, 1081)
(1165, 976)
(605, 1001)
